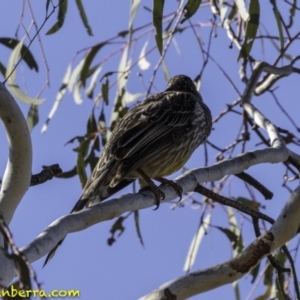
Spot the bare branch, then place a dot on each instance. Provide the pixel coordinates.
(17, 175)
(47, 174)
(204, 280)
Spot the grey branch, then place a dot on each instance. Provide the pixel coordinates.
(284, 229)
(17, 175)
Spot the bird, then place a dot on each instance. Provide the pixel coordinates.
(152, 140)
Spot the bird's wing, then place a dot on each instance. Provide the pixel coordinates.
(147, 129)
(157, 123)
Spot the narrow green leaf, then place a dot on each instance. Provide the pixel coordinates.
(250, 203)
(137, 226)
(96, 144)
(123, 71)
(11, 78)
(73, 78)
(268, 278)
(47, 6)
(91, 123)
(251, 28)
(62, 10)
(25, 52)
(233, 238)
(133, 10)
(77, 93)
(235, 228)
(80, 164)
(18, 93)
(58, 98)
(233, 12)
(292, 14)
(78, 138)
(236, 289)
(158, 7)
(104, 90)
(87, 60)
(68, 174)
(266, 295)
(84, 17)
(92, 159)
(122, 79)
(102, 127)
(32, 117)
(196, 241)
(166, 70)
(278, 22)
(90, 89)
(142, 62)
(190, 9)
(75, 84)
(119, 110)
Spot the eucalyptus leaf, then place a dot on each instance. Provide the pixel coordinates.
(11, 78)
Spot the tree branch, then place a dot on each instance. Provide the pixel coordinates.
(46, 174)
(188, 181)
(17, 175)
(130, 202)
(284, 229)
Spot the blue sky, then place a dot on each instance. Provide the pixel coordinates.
(127, 270)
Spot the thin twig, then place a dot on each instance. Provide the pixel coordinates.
(256, 184)
(47, 174)
(226, 201)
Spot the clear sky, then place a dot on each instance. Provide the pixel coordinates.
(127, 270)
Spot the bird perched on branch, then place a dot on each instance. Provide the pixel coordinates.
(153, 140)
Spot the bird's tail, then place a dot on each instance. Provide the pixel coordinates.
(52, 252)
(81, 203)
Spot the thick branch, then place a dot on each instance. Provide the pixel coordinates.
(17, 175)
(116, 207)
(284, 229)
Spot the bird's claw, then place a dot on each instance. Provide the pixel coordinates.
(178, 189)
(158, 193)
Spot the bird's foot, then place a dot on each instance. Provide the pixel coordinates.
(159, 194)
(173, 184)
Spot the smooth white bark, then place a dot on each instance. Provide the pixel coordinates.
(284, 229)
(17, 174)
(115, 207)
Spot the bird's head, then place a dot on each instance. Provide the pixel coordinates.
(181, 83)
